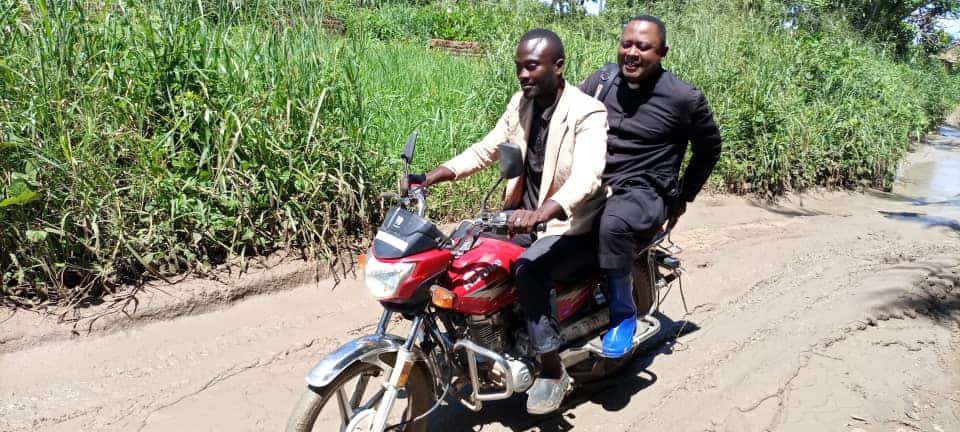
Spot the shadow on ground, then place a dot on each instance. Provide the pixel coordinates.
(791, 211)
(890, 196)
(926, 220)
(936, 295)
(612, 394)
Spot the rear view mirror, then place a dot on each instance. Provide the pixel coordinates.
(407, 153)
(511, 160)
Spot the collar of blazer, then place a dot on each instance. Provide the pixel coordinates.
(555, 135)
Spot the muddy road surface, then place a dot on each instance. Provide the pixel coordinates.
(824, 312)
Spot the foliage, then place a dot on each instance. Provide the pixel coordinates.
(895, 22)
(148, 138)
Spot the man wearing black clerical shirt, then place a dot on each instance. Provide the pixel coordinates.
(652, 115)
(562, 133)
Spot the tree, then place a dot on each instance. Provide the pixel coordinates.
(899, 23)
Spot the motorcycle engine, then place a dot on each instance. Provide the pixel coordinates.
(488, 331)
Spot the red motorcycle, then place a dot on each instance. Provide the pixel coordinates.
(466, 337)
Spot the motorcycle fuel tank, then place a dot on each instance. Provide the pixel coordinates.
(481, 277)
(482, 281)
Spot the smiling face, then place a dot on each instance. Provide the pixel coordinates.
(641, 50)
(539, 71)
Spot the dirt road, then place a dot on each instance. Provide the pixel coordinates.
(829, 312)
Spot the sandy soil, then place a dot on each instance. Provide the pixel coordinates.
(827, 312)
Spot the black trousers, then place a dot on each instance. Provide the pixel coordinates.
(549, 259)
(630, 218)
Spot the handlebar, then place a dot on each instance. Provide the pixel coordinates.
(499, 222)
(416, 195)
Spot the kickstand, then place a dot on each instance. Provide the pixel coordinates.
(683, 298)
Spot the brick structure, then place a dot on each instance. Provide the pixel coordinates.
(472, 49)
(333, 26)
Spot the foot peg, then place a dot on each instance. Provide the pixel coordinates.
(646, 328)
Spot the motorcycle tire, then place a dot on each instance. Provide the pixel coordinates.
(418, 392)
(644, 294)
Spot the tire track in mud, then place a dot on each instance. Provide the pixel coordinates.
(236, 370)
(321, 345)
(775, 289)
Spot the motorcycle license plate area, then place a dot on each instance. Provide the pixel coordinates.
(403, 233)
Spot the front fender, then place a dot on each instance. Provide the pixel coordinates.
(366, 348)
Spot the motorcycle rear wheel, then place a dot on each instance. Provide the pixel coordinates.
(351, 403)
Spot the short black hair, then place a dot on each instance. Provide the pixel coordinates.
(661, 27)
(551, 37)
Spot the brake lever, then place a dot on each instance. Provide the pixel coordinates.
(390, 195)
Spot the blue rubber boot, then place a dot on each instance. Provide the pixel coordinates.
(618, 341)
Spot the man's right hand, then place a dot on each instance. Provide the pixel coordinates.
(412, 180)
(674, 210)
(437, 175)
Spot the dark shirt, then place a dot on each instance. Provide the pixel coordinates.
(650, 127)
(536, 148)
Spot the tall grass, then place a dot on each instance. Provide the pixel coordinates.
(148, 145)
(150, 138)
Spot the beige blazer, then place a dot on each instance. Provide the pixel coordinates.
(574, 159)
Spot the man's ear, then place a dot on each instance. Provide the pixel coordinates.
(663, 50)
(558, 64)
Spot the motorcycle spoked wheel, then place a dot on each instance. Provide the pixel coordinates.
(355, 394)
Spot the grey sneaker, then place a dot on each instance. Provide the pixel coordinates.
(546, 394)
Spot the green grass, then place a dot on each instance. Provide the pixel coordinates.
(162, 137)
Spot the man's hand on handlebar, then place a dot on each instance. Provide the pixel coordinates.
(437, 175)
(524, 221)
(412, 180)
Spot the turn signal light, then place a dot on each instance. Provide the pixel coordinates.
(442, 297)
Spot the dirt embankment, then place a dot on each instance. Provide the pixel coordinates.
(826, 312)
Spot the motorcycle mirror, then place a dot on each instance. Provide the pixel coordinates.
(511, 160)
(407, 153)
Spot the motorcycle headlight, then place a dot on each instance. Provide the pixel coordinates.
(383, 278)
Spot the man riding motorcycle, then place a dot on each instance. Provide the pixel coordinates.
(555, 124)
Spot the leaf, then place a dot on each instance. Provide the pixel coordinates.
(22, 198)
(9, 145)
(36, 236)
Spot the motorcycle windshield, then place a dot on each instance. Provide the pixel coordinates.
(403, 233)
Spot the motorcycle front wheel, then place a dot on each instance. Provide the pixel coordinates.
(355, 394)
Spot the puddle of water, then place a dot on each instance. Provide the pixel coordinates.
(948, 132)
(933, 184)
(937, 179)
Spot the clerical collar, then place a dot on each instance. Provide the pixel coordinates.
(633, 85)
